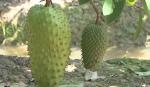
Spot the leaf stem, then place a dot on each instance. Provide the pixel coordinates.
(96, 10)
(48, 2)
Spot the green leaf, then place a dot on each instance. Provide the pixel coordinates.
(148, 4)
(145, 6)
(143, 73)
(131, 2)
(107, 7)
(119, 5)
(83, 1)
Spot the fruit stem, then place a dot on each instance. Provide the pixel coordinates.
(96, 10)
(48, 2)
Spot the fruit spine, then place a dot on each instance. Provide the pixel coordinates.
(93, 44)
(48, 44)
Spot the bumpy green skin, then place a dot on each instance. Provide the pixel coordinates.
(49, 39)
(93, 44)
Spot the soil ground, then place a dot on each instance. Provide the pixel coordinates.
(114, 72)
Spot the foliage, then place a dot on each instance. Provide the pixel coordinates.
(113, 8)
(108, 7)
(12, 33)
(148, 4)
(83, 1)
(117, 9)
(131, 2)
(135, 66)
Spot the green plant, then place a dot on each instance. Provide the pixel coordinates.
(12, 33)
(112, 10)
(49, 38)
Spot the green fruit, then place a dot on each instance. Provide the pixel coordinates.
(49, 39)
(93, 44)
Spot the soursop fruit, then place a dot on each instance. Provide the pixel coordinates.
(93, 44)
(49, 38)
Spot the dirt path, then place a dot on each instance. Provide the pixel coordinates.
(15, 72)
(112, 52)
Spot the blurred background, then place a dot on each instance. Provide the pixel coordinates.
(14, 59)
(121, 40)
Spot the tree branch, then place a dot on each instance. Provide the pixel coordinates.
(96, 10)
(48, 2)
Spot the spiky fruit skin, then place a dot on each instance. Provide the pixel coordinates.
(49, 39)
(93, 44)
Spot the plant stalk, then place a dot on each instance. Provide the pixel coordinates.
(48, 3)
(96, 10)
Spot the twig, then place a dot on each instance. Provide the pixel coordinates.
(96, 10)
(48, 2)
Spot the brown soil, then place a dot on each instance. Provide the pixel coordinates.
(15, 72)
